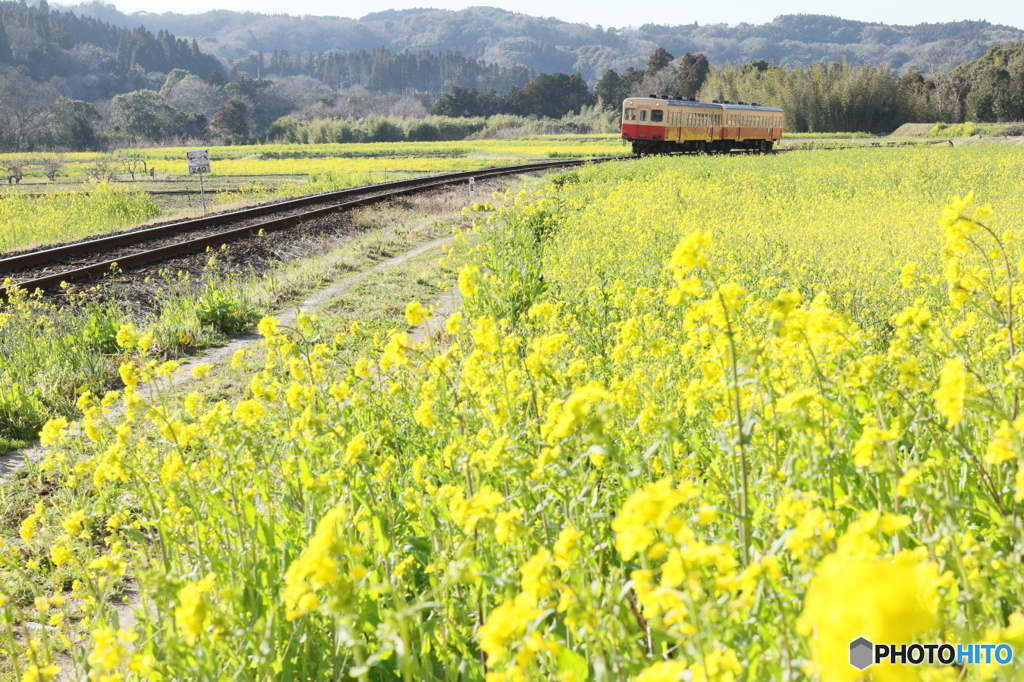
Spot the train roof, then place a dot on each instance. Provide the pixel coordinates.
(744, 106)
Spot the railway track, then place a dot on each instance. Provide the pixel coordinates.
(45, 269)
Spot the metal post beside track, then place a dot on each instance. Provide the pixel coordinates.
(199, 164)
(202, 192)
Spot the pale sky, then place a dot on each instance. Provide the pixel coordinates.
(620, 14)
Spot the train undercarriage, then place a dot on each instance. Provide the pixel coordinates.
(650, 147)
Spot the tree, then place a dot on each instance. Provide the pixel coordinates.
(757, 65)
(132, 165)
(608, 89)
(194, 125)
(6, 56)
(613, 88)
(191, 95)
(659, 59)
(15, 168)
(264, 103)
(631, 81)
(458, 102)
(142, 115)
(173, 78)
(70, 125)
(23, 108)
(555, 94)
(51, 165)
(232, 120)
(693, 71)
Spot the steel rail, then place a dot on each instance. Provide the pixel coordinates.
(381, 192)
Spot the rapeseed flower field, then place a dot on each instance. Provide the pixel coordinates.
(698, 419)
(68, 215)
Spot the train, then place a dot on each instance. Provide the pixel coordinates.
(662, 125)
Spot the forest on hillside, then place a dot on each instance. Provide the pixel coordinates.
(547, 45)
(74, 82)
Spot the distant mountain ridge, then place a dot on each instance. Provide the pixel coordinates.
(547, 44)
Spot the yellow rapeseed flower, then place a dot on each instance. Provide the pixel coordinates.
(193, 608)
(889, 599)
(952, 391)
(565, 547)
(249, 412)
(414, 313)
(467, 513)
(505, 624)
(469, 280)
(663, 671)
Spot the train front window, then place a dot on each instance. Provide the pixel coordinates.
(657, 115)
(630, 114)
(643, 114)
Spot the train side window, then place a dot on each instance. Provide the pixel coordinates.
(630, 114)
(657, 116)
(643, 114)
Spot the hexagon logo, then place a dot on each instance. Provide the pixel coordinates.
(861, 653)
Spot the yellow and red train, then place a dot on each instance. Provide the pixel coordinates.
(658, 125)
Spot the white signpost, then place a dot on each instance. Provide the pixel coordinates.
(198, 164)
(472, 186)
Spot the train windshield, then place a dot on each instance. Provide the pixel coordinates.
(630, 114)
(657, 115)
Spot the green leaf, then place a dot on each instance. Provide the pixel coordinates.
(572, 663)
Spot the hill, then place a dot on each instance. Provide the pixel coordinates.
(90, 58)
(548, 45)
